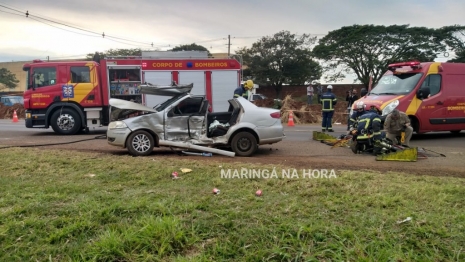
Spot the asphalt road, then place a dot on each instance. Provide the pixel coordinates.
(439, 139)
(296, 133)
(297, 150)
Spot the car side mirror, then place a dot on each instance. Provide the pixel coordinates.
(423, 92)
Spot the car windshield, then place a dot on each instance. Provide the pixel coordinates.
(400, 84)
(168, 102)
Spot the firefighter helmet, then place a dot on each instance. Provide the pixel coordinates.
(360, 105)
(248, 84)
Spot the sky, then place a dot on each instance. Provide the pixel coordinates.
(169, 23)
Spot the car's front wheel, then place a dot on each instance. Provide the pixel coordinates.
(140, 143)
(244, 144)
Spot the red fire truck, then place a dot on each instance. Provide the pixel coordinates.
(73, 96)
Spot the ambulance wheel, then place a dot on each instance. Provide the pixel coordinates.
(65, 121)
(455, 132)
(140, 143)
(244, 144)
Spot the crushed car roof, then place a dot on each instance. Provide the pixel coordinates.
(161, 90)
(124, 104)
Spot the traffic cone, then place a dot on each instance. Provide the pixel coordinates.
(290, 122)
(15, 117)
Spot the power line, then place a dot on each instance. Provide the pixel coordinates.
(69, 30)
(246, 37)
(91, 33)
(95, 34)
(63, 28)
(23, 12)
(10, 13)
(29, 15)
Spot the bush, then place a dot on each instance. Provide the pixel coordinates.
(278, 103)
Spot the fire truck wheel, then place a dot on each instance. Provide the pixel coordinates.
(140, 143)
(244, 144)
(65, 121)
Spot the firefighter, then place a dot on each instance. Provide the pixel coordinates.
(396, 123)
(328, 101)
(369, 129)
(359, 111)
(243, 89)
(350, 98)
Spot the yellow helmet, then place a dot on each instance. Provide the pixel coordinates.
(248, 84)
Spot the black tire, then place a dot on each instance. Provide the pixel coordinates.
(66, 121)
(140, 143)
(244, 144)
(354, 147)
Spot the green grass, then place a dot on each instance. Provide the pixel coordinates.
(72, 206)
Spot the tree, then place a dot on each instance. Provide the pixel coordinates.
(191, 47)
(366, 50)
(459, 57)
(8, 79)
(116, 52)
(458, 46)
(283, 58)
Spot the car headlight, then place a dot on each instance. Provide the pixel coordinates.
(389, 107)
(117, 125)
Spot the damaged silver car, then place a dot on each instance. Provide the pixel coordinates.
(184, 121)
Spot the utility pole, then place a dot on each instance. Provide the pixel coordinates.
(229, 45)
(48, 58)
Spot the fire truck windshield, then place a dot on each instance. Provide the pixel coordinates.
(396, 84)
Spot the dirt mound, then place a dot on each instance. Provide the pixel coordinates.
(6, 112)
(304, 113)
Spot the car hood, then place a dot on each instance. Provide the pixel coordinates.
(172, 90)
(124, 104)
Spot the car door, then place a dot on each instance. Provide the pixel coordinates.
(433, 111)
(185, 119)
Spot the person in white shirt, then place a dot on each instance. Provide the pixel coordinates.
(310, 92)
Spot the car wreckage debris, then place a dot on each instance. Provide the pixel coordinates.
(195, 147)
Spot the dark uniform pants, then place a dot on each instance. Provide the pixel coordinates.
(327, 120)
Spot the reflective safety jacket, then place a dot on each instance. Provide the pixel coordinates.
(355, 117)
(369, 126)
(328, 101)
(240, 91)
